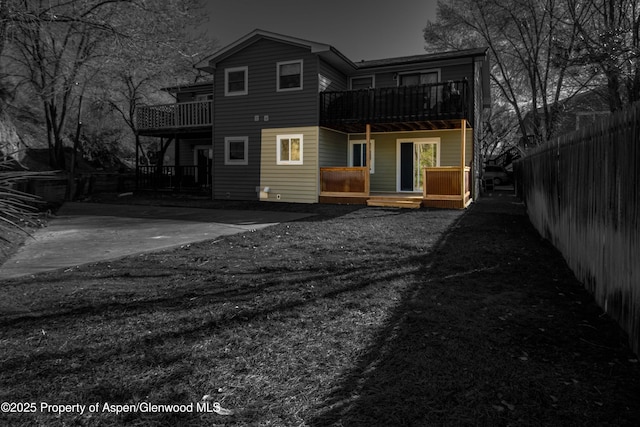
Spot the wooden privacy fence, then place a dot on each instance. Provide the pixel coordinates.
(582, 192)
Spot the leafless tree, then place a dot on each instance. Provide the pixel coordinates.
(528, 72)
(609, 39)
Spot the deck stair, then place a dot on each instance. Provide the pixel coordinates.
(395, 202)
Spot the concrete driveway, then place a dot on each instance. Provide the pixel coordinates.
(84, 233)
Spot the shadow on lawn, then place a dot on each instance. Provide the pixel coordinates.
(495, 331)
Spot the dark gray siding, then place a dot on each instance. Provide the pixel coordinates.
(339, 81)
(448, 71)
(236, 115)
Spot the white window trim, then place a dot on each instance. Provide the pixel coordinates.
(372, 76)
(432, 70)
(372, 167)
(226, 81)
(232, 162)
(289, 162)
(289, 89)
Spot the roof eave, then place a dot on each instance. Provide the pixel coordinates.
(209, 64)
(416, 59)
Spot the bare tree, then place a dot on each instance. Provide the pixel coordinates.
(161, 53)
(52, 45)
(116, 50)
(609, 39)
(527, 70)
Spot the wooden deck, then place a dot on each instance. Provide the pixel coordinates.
(184, 117)
(445, 187)
(396, 200)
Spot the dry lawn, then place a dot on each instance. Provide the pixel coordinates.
(375, 317)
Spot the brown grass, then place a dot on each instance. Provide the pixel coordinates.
(375, 317)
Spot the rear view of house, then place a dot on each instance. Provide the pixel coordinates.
(289, 120)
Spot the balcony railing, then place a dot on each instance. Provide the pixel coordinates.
(174, 116)
(173, 177)
(440, 101)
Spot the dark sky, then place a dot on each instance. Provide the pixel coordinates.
(359, 29)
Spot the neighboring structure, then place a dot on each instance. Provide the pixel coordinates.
(296, 121)
(574, 113)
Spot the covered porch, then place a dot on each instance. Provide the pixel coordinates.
(442, 190)
(428, 185)
(183, 160)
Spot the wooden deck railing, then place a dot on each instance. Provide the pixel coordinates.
(179, 115)
(444, 183)
(440, 101)
(344, 181)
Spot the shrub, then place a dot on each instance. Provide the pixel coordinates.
(18, 210)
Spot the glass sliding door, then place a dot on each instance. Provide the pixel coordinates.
(413, 157)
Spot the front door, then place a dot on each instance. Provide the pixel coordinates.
(413, 157)
(203, 161)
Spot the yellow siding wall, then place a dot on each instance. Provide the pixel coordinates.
(385, 176)
(333, 148)
(294, 183)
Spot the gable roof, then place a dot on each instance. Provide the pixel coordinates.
(428, 57)
(327, 52)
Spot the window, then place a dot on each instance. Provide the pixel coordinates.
(289, 75)
(434, 94)
(289, 149)
(236, 150)
(420, 78)
(584, 119)
(365, 82)
(236, 81)
(358, 154)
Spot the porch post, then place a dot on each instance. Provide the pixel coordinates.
(368, 157)
(463, 142)
(176, 163)
(137, 161)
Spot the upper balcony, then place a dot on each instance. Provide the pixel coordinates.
(184, 117)
(432, 106)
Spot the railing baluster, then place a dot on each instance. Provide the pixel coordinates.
(184, 114)
(445, 100)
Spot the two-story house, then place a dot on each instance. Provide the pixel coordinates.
(291, 120)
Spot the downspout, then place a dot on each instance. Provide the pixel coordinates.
(367, 186)
(137, 161)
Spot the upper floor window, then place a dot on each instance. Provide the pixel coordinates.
(289, 149)
(236, 81)
(365, 82)
(289, 75)
(419, 78)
